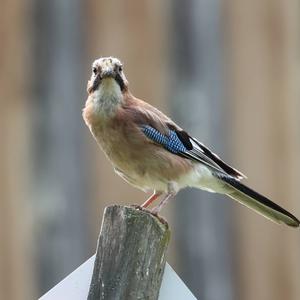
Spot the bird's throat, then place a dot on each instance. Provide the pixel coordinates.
(108, 97)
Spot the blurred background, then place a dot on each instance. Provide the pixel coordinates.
(227, 71)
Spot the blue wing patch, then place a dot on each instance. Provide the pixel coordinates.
(171, 141)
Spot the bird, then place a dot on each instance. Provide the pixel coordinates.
(152, 153)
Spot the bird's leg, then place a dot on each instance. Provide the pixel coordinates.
(158, 208)
(171, 193)
(153, 197)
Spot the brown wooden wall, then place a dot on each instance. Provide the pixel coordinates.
(263, 51)
(16, 265)
(262, 62)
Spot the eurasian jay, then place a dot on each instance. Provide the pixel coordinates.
(151, 152)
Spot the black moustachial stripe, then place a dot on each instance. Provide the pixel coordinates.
(95, 84)
(98, 79)
(120, 81)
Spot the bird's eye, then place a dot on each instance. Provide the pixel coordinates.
(95, 71)
(120, 68)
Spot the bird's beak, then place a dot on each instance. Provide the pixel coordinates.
(108, 72)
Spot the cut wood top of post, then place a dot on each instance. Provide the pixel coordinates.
(137, 212)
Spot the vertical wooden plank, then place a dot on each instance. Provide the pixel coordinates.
(197, 99)
(16, 269)
(263, 59)
(289, 82)
(59, 193)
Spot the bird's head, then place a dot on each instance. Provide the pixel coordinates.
(107, 72)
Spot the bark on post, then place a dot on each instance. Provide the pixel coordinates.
(131, 255)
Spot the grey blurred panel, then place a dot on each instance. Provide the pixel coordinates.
(60, 187)
(198, 104)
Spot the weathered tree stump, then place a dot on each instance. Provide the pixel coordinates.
(130, 257)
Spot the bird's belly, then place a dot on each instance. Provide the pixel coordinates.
(144, 165)
(145, 181)
(152, 171)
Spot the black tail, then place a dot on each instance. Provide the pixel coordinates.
(257, 202)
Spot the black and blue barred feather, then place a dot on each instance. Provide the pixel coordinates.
(171, 141)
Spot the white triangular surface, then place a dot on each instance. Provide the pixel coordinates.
(76, 285)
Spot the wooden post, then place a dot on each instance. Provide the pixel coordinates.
(131, 255)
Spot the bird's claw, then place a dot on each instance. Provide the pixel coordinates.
(139, 207)
(153, 212)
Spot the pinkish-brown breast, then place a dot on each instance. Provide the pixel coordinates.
(130, 150)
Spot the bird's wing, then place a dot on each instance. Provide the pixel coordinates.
(180, 143)
(208, 154)
(163, 131)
